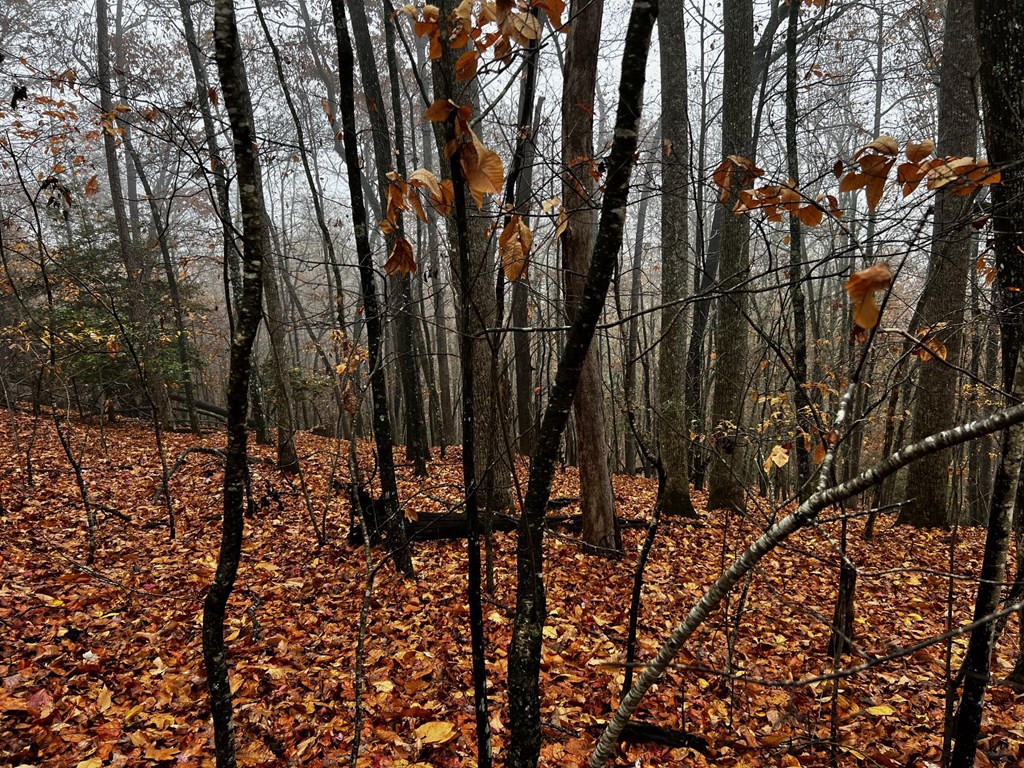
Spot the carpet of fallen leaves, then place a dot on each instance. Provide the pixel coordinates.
(101, 665)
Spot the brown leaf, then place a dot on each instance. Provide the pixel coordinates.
(810, 215)
(514, 245)
(861, 287)
(439, 111)
(466, 65)
(401, 261)
(919, 150)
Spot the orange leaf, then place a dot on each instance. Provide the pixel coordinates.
(514, 245)
(852, 181)
(919, 150)
(466, 64)
(483, 169)
(810, 215)
(861, 287)
(92, 186)
(883, 145)
(439, 111)
(401, 261)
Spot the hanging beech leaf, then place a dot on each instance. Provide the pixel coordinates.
(883, 145)
(779, 456)
(401, 261)
(930, 345)
(810, 215)
(326, 105)
(919, 150)
(92, 186)
(514, 245)
(466, 65)
(861, 287)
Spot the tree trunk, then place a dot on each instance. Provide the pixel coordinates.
(280, 362)
(725, 481)
(945, 288)
(1002, 89)
(597, 502)
(255, 251)
(629, 393)
(492, 417)
(801, 402)
(531, 607)
(673, 426)
(154, 388)
(397, 543)
(417, 449)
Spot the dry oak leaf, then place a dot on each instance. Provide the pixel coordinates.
(861, 287)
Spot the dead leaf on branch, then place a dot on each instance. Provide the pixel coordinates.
(778, 457)
(861, 288)
(514, 244)
(401, 261)
(930, 345)
(481, 167)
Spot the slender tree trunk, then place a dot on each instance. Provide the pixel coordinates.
(597, 502)
(633, 331)
(801, 402)
(1002, 89)
(531, 607)
(395, 520)
(673, 426)
(417, 449)
(255, 251)
(126, 247)
(181, 333)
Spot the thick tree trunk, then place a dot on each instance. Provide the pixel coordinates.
(597, 502)
(945, 288)
(725, 480)
(255, 251)
(673, 426)
(531, 606)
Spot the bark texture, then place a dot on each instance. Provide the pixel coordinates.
(941, 309)
(597, 502)
(255, 252)
(725, 483)
(673, 426)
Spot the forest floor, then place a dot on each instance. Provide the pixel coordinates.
(101, 665)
